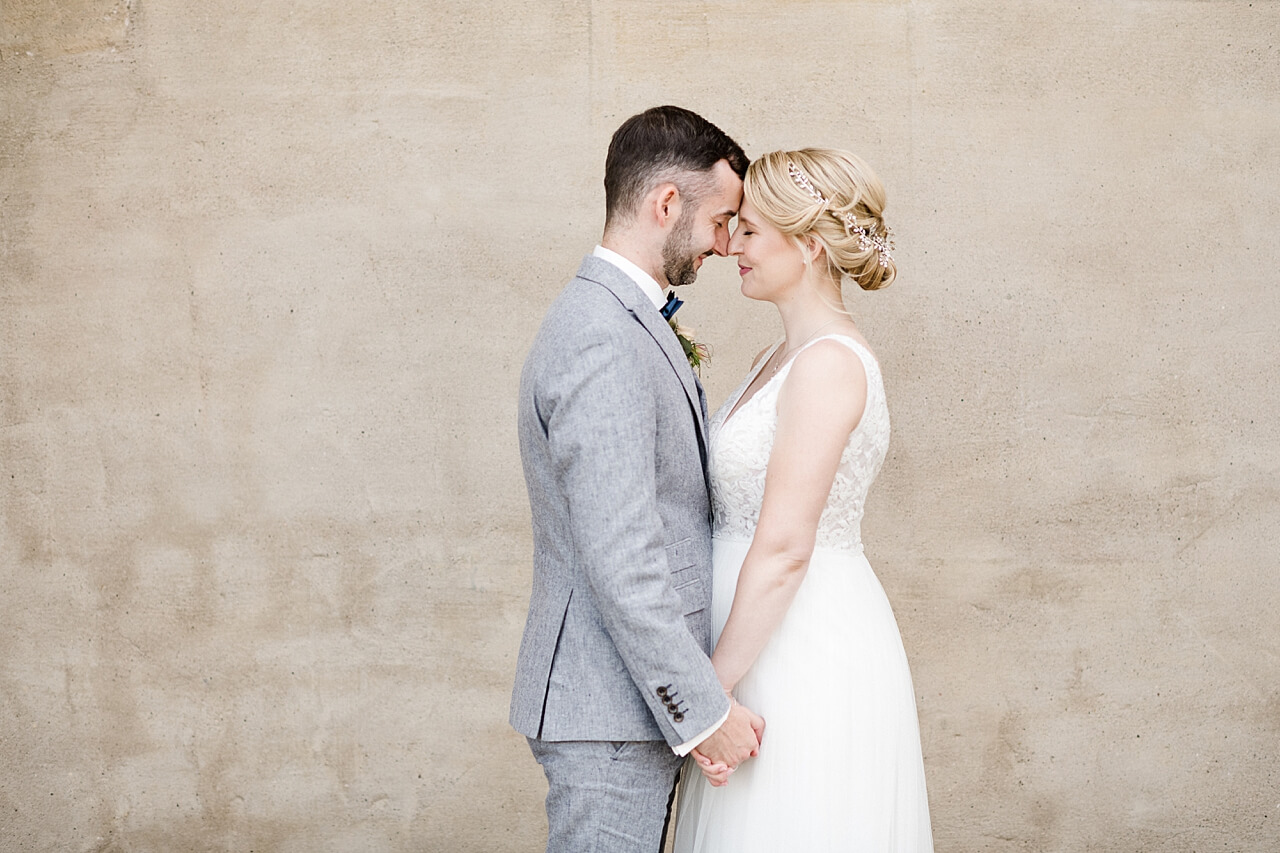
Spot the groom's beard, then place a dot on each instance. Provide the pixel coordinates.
(677, 263)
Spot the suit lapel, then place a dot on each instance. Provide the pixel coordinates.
(633, 299)
(702, 430)
(661, 332)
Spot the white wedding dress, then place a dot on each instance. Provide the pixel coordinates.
(840, 766)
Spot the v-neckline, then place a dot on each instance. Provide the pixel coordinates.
(740, 403)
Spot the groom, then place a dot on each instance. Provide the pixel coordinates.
(613, 683)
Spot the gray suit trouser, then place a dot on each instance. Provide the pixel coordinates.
(607, 797)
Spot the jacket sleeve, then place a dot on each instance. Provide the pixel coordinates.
(600, 417)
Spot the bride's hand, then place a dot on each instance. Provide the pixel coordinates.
(717, 774)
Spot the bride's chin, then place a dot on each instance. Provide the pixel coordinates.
(751, 292)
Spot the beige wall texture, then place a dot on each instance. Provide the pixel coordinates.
(268, 272)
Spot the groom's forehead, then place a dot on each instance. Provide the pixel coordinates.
(729, 206)
(730, 197)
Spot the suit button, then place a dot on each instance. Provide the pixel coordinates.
(662, 691)
(678, 716)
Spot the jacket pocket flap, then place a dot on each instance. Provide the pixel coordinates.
(693, 594)
(680, 555)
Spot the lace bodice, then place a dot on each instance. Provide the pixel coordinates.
(741, 446)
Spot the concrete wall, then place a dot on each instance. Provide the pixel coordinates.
(267, 275)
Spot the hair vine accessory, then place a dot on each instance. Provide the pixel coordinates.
(866, 240)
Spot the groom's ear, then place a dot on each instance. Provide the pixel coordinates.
(666, 203)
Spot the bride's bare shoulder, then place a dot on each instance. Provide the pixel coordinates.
(827, 378)
(829, 363)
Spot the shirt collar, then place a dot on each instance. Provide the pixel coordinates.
(643, 280)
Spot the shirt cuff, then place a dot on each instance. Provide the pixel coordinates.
(687, 747)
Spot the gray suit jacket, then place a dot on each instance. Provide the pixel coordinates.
(612, 426)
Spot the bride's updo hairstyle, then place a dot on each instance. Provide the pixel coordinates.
(833, 197)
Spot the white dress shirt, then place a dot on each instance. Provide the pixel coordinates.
(643, 280)
(650, 287)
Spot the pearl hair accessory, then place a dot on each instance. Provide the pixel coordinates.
(866, 240)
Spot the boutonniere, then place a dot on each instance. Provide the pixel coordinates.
(695, 352)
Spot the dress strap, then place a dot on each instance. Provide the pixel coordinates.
(736, 397)
(868, 360)
(764, 359)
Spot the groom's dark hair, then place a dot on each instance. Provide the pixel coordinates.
(659, 145)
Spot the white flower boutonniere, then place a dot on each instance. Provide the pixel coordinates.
(696, 353)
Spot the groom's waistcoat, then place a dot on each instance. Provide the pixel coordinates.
(613, 442)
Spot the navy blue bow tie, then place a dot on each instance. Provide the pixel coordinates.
(673, 305)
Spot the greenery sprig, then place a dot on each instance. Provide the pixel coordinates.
(696, 352)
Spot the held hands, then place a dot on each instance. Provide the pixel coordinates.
(717, 774)
(730, 745)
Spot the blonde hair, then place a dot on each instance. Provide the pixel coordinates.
(841, 207)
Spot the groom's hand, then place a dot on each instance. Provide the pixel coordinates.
(733, 743)
(717, 774)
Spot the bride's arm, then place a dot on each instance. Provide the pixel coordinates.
(819, 405)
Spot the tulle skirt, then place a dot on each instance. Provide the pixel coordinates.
(840, 767)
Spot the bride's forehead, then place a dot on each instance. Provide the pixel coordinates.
(747, 212)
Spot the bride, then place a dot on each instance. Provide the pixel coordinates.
(804, 633)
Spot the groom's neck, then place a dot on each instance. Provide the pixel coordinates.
(641, 250)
